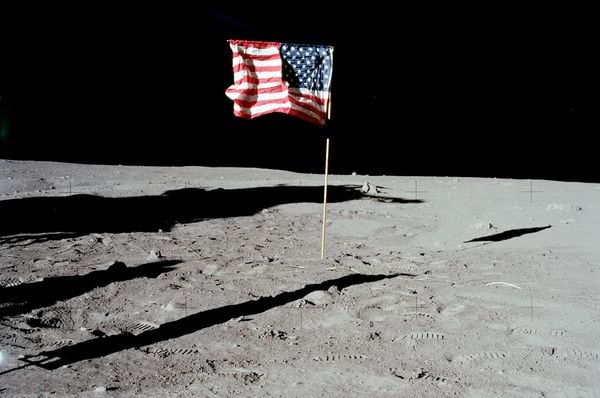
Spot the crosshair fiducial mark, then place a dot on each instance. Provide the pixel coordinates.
(416, 190)
(531, 307)
(184, 306)
(71, 192)
(530, 192)
(70, 189)
(301, 308)
(417, 306)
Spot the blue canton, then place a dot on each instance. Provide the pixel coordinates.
(305, 66)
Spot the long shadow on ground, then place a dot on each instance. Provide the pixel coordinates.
(513, 233)
(83, 214)
(103, 346)
(24, 298)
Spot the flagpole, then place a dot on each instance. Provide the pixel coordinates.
(326, 159)
(325, 199)
(329, 88)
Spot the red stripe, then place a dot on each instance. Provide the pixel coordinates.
(254, 68)
(253, 115)
(256, 80)
(255, 44)
(317, 108)
(306, 117)
(258, 57)
(250, 104)
(311, 103)
(255, 91)
(312, 98)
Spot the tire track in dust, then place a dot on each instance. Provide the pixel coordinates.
(426, 336)
(533, 331)
(57, 344)
(10, 282)
(481, 356)
(573, 353)
(339, 357)
(139, 327)
(422, 376)
(530, 331)
(162, 352)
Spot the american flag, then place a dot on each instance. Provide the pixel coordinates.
(281, 77)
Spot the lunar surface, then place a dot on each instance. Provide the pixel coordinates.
(122, 281)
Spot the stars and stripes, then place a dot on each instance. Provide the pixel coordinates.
(278, 77)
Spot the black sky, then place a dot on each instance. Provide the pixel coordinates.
(416, 90)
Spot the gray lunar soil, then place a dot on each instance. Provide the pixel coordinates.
(123, 281)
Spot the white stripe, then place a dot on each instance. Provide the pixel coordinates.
(272, 50)
(257, 62)
(235, 91)
(308, 112)
(302, 91)
(239, 95)
(263, 97)
(259, 75)
(259, 109)
(307, 101)
(261, 85)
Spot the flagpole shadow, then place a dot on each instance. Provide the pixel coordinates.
(103, 346)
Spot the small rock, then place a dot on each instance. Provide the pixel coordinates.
(333, 290)
(484, 225)
(319, 297)
(154, 255)
(98, 333)
(563, 207)
(41, 263)
(117, 266)
(210, 269)
(96, 238)
(369, 188)
(100, 389)
(276, 334)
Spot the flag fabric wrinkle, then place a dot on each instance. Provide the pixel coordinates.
(280, 77)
